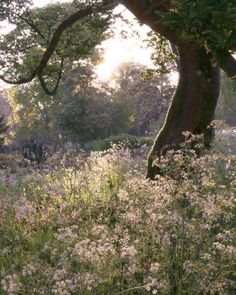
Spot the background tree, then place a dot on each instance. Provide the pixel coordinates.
(22, 50)
(85, 111)
(3, 129)
(144, 97)
(136, 105)
(33, 113)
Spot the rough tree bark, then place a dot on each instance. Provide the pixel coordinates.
(193, 104)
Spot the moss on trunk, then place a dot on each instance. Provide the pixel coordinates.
(193, 104)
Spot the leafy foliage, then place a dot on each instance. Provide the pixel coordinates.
(82, 111)
(131, 141)
(85, 118)
(163, 56)
(135, 106)
(22, 49)
(33, 113)
(211, 23)
(145, 99)
(8, 9)
(3, 129)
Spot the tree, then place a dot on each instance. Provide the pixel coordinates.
(144, 97)
(3, 129)
(193, 31)
(20, 51)
(46, 41)
(33, 113)
(90, 112)
(202, 32)
(85, 113)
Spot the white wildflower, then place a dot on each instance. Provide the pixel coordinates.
(28, 270)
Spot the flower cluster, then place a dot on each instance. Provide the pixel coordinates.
(100, 227)
(11, 285)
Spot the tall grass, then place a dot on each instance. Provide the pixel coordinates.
(96, 226)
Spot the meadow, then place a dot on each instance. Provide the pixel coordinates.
(94, 225)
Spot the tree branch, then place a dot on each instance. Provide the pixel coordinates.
(30, 22)
(148, 15)
(57, 34)
(44, 84)
(22, 80)
(70, 21)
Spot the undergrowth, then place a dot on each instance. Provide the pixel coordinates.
(95, 225)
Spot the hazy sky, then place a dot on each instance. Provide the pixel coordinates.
(40, 2)
(43, 2)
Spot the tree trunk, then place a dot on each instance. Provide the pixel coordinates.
(193, 104)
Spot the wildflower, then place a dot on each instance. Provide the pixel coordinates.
(65, 234)
(166, 238)
(128, 252)
(154, 267)
(98, 230)
(135, 216)
(25, 212)
(75, 215)
(117, 211)
(123, 195)
(11, 284)
(59, 274)
(28, 270)
(7, 180)
(89, 280)
(187, 266)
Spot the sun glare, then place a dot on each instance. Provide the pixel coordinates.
(117, 52)
(131, 48)
(119, 49)
(41, 3)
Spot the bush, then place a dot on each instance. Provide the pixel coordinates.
(100, 227)
(131, 141)
(85, 118)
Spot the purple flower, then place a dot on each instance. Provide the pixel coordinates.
(7, 180)
(117, 211)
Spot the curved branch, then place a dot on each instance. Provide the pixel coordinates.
(148, 15)
(71, 20)
(44, 84)
(30, 23)
(19, 81)
(59, 31)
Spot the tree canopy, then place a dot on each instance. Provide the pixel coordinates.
(39, 44)
(46, 41)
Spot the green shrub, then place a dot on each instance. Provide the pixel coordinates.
(131, 141)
